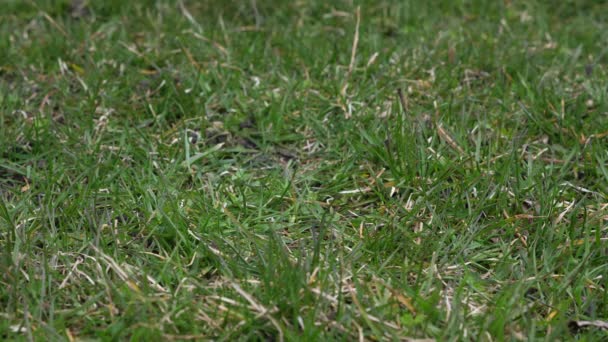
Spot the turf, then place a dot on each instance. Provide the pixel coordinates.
(303, 170)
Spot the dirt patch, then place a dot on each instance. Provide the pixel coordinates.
(79, 9)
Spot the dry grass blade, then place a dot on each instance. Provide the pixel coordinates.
(594, 324)
(353, 52)
(262, 311)
(353, 55)
(402, 100)
(189, 16)
(120, 271)
(55, 24)
(445, 136)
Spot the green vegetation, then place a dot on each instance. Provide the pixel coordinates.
(247, 170)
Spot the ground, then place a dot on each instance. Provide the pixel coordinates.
(303, 170)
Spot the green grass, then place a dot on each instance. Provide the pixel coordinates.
(244, 170)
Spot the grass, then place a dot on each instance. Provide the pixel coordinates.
(247, 170)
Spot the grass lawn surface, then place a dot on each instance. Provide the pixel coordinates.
(303, 170)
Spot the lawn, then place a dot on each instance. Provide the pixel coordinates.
(303, 170)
